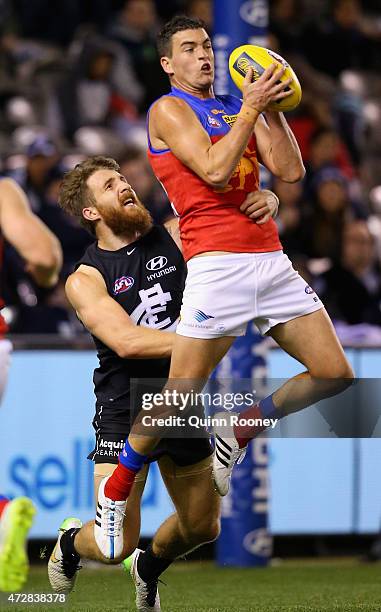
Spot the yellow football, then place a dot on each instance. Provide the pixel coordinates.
(259, 59)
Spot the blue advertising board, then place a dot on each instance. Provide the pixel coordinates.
(236, 23)
(46, 435)
(316, 485)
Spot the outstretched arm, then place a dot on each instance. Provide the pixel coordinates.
(31, 238)
(108, 321)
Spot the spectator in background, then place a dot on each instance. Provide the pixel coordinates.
(41, 157)
(328, 152)
(322, 224)
(341, 42)
(135, 28)
(351, 289)
(326, 149)
(134, 165)
(73, 238)
(286, 19)
(57, 22)
(201, 9)
(88, 95)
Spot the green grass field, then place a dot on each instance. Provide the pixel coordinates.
(309, 586)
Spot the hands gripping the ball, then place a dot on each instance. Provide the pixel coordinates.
(266, 89)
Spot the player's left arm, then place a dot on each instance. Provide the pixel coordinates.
(172, 227)
(278, 148)
(31, 238)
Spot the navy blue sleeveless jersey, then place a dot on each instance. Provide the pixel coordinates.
(147, 279)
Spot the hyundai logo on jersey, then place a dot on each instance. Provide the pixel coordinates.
(157, 263)
(122, 284)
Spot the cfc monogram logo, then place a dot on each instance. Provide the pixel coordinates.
(152, 309)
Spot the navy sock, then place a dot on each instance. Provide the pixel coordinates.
(67, 544)
(150, 566)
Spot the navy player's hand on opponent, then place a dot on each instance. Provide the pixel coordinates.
(260, 206)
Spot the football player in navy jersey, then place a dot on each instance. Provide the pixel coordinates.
(127, 291)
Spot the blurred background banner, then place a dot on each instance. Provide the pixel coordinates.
(245, 540)
(46, 435)
(236, 23)
(316, 486)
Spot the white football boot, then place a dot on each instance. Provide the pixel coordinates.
(226, 452)
(63, 568)
(147, 594)
(108, 526)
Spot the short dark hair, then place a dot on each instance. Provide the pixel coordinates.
(176, 24)
(75, 194)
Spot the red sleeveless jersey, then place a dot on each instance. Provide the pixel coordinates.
(210, 218)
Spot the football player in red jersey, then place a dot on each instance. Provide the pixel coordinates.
(205, 151)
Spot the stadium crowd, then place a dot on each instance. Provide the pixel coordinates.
(77, 77)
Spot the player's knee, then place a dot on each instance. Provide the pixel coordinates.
(339, 370)
(204, 530)
(343, 371)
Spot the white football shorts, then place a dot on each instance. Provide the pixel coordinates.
(223, 293)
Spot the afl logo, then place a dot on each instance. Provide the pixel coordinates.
(157, 263)
(213, 122)
(122, 284)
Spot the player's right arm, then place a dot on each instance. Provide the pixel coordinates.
(174, 125)
(108, 321)
(31, 238)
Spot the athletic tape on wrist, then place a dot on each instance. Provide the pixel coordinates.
(248, 113)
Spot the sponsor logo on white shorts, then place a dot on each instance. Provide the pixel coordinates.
(201, 316)
(204, 321)
(309, 290)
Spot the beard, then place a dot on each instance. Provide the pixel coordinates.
(127, 221)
